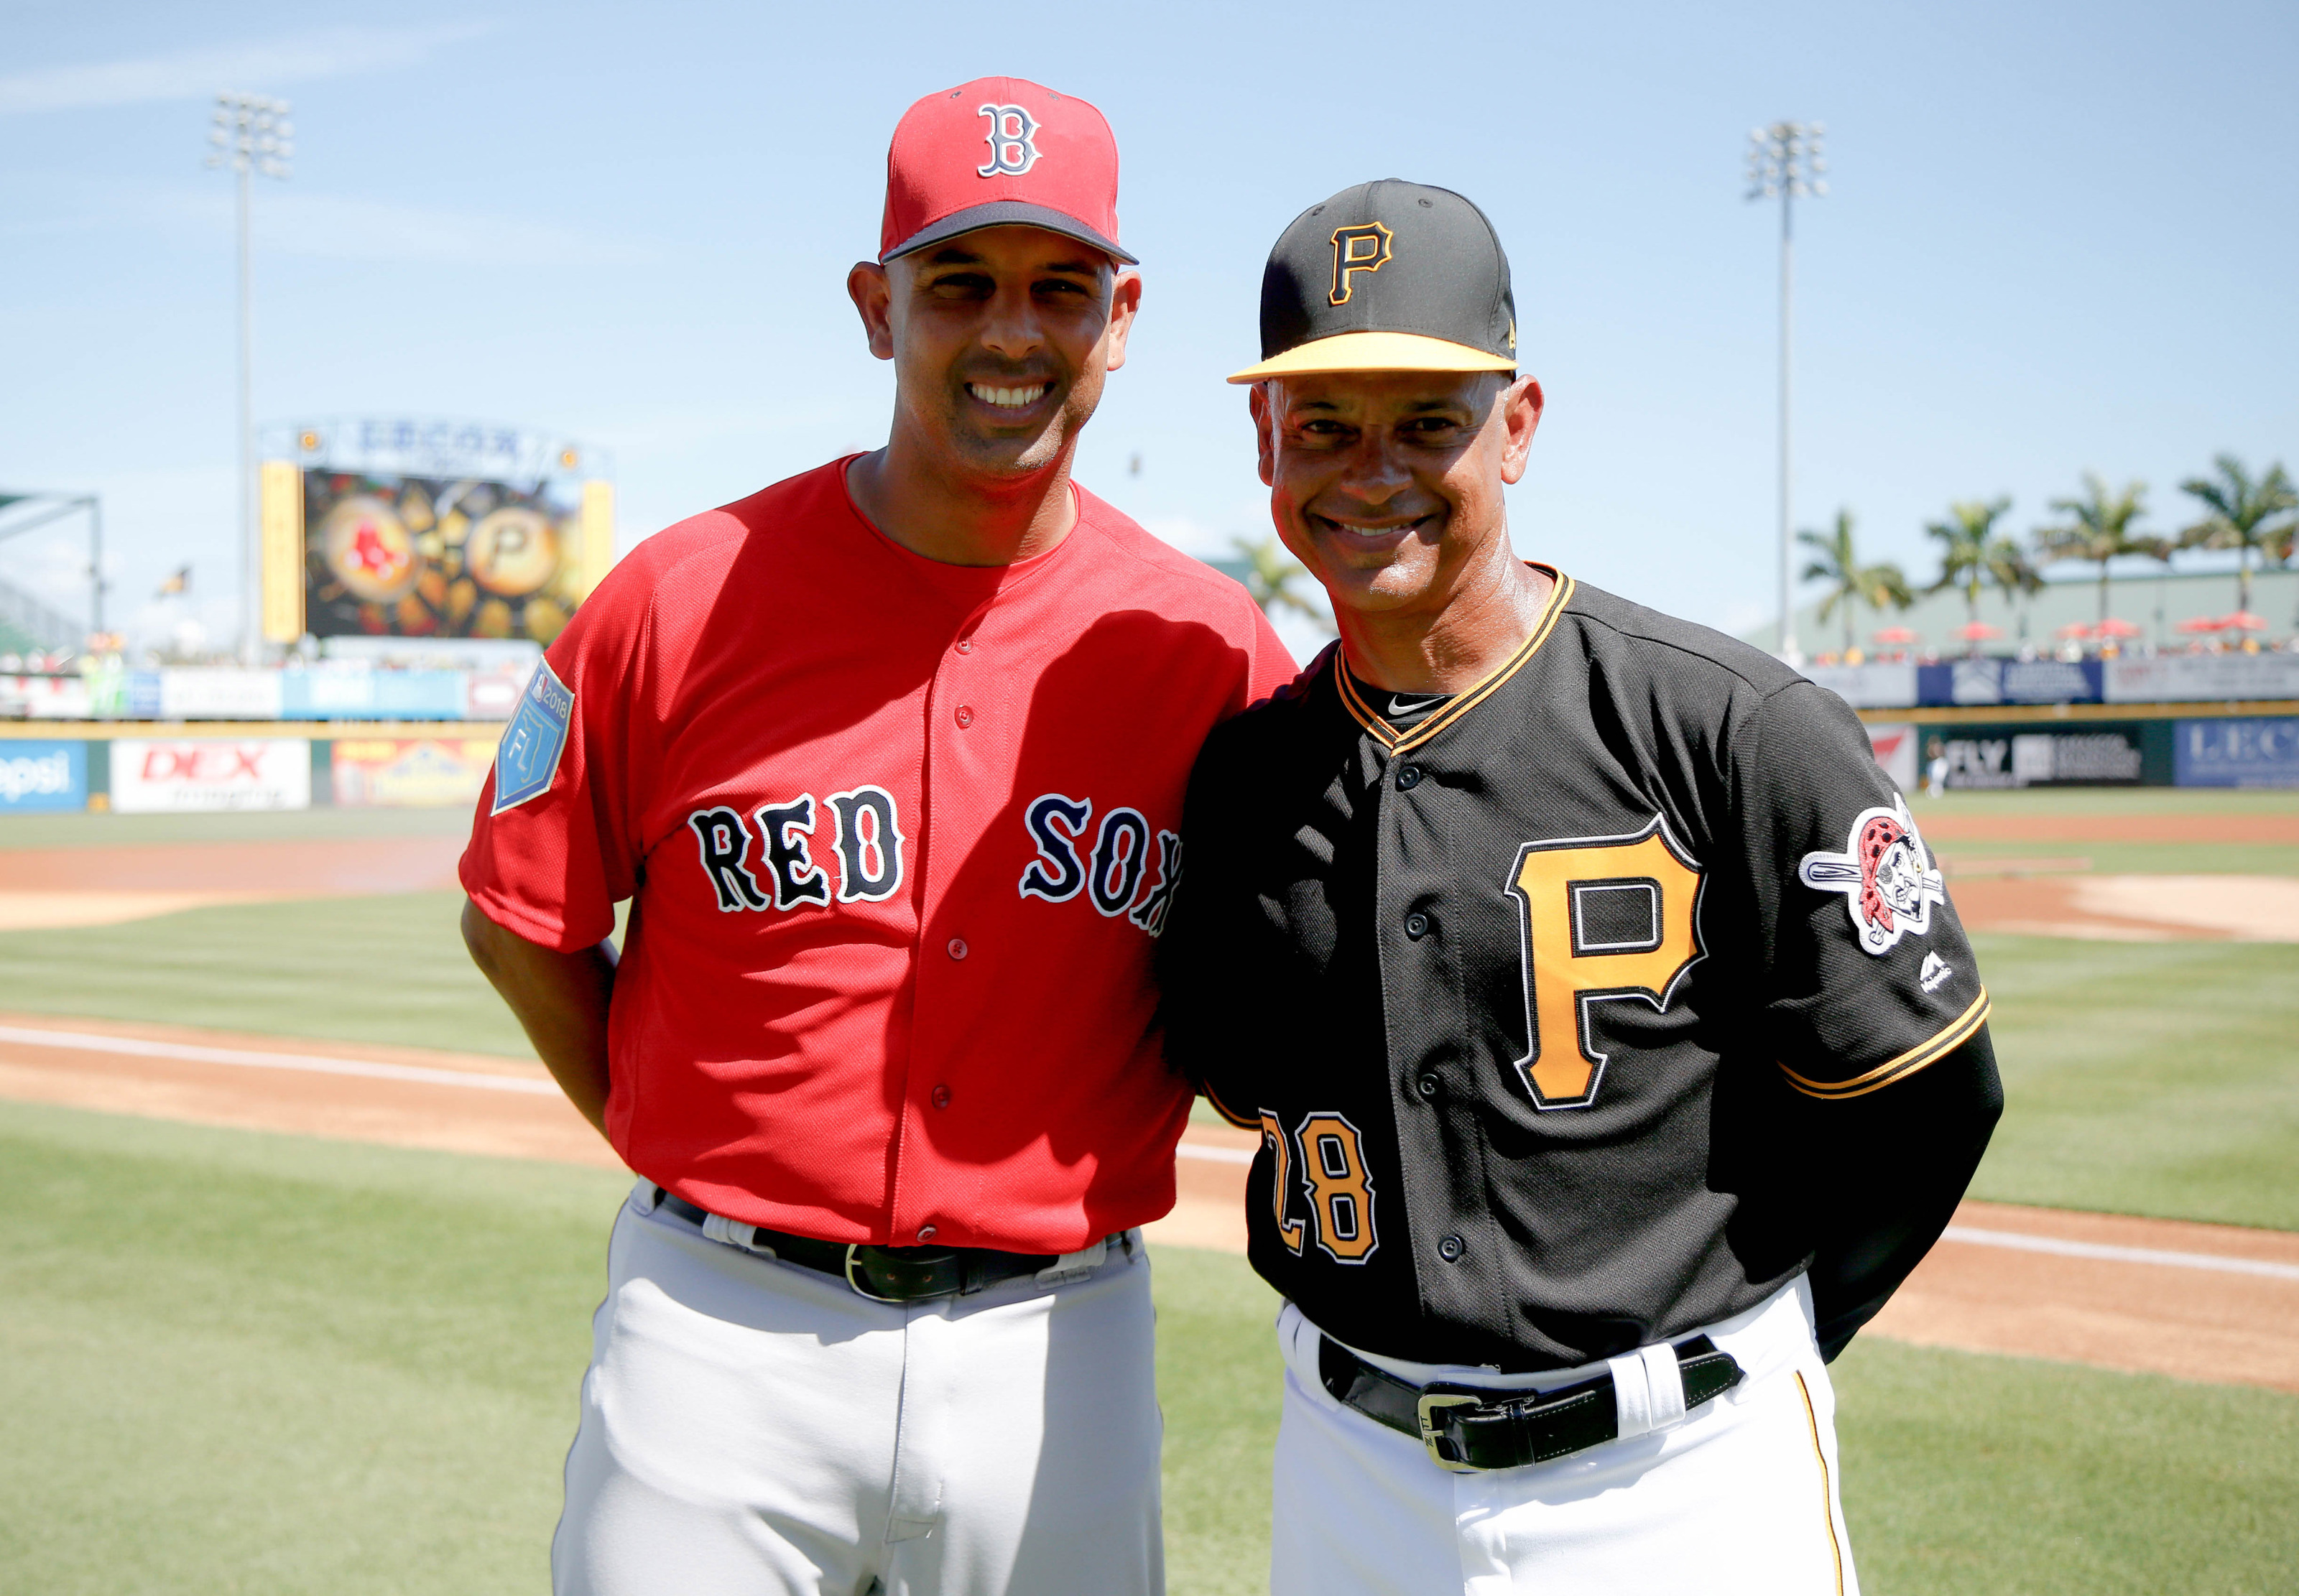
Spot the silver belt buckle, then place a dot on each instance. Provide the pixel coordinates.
(854, 1283)
(1432, 1399)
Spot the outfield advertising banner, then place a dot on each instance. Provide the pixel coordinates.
(42, 777)
(156, 776)
(2239, 751)
(1895, 748)
(373, 695)
(2081, 754)
(411, 772)
(2188, 678)
(1991, 681)
(393, 556)
(1887, 684)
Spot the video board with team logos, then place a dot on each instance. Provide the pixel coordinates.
(403, 556)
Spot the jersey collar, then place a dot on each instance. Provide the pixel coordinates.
(1560, 593)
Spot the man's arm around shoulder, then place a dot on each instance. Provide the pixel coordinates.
(561, 1000)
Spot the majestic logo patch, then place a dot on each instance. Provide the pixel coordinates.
(528, 758)
(1361, 248)
(1013, 139)
(1886, 876)
(1934, 975)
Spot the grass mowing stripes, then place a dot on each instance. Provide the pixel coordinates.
(239, 1362)
(2146, 1078)
(2142, 1077)
(385, 969)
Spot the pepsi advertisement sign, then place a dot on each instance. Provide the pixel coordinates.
(42, 777)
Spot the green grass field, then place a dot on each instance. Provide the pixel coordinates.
(308, 1366)
(2142, 1077)
(235, 1362)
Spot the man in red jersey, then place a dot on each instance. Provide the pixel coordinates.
(880, 1044)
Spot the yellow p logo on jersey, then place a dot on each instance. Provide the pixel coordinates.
(1364, 247)
(1604, 918)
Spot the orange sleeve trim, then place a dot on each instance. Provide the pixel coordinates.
(1960, 1030)
(1241, 1120)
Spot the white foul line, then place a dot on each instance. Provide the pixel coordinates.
(313, 1063)
(318, 1064)
(2092, 1249)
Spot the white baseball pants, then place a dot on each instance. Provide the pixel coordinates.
(749, 1426)
(1738, 1498)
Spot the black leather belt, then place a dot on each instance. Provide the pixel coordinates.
(882, 1274)
(1468, 1429)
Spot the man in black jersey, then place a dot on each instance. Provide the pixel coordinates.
(1615, 1050)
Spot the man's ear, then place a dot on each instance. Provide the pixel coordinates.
(1256, 401)
(1124, 305)
(866, 285)
(1519, 406)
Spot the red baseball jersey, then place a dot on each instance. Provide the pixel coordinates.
(900, 835)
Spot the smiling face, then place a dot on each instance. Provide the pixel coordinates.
(1388, 485)
(1001, 340)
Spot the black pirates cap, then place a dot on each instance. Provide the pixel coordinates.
(1388, 276)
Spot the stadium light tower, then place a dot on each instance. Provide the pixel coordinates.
(251, 134)
(1784, 161)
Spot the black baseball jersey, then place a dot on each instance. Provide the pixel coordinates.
(1542, 995)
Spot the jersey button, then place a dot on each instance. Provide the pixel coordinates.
(965, 645)
(966, 714)
(926, 1232)
(941, 1096)
(1408, 777)
(1450, 1249)
(1416, 925)
(958, 947)
(1428, 1085)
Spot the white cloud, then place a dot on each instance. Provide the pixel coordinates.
(196, 74)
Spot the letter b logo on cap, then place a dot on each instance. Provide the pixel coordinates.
(1013, 141)
(1361, 248)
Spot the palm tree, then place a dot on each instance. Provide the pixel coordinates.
(2242, 514)
(1269, 577)
(2098, 528)
(1971, 551)
(2014, 576)
(1848, 580)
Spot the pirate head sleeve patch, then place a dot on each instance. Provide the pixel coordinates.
(1871, 976)
(1886, 877)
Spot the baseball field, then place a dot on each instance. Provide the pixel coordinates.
(294, 1294)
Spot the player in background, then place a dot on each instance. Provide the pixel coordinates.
(1614, 1048)
(880, 1044)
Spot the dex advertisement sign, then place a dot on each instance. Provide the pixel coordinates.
(36, 777)
(154, 775)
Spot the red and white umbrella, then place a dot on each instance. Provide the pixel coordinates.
(2116, 626)
(2243, 620)
(2195, 624)
(1974, 632)
(1896, 635)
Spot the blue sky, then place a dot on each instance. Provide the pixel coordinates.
(2060, 238)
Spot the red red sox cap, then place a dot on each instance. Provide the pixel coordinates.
(1000, 152)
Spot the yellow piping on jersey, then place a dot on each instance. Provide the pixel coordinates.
(1229, 1113)
(1397, 742)
(1960, 1030)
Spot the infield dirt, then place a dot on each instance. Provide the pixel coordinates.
(2188, 1319)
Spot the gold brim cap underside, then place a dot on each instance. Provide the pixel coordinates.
(1376, 352)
